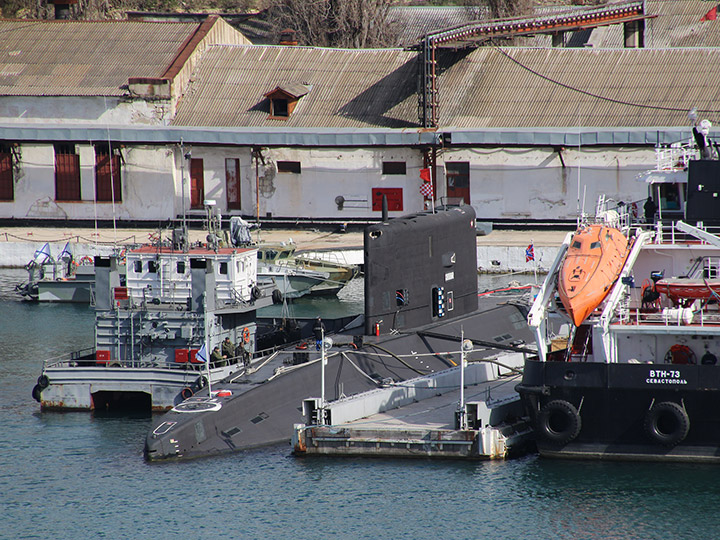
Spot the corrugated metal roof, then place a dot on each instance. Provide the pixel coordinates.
(76, 58)
(515, 87)
(488, 88)
(349, 88)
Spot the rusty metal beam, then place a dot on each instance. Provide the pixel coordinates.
(473, 33)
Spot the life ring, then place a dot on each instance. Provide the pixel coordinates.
(559, 422)
(87, 260)
(667, 423)
(680, 354)
(43, 382)
(186, 392)
(246, 335)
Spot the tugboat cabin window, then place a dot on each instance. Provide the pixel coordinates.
(152, 267)
(576, 244)
(138, 267)
(180, 267)
(223, 268)
(595, 245)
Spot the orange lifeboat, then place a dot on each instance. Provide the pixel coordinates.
(592, 264)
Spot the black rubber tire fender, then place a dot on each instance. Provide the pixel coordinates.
(186, 392)
(558, 422)
(43, 382)
(36, 393)
(667, 423)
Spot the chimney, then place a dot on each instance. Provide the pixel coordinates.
(288, 37)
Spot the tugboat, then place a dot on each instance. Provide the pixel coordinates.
(154, 335)
(421, 298)
(637, 379)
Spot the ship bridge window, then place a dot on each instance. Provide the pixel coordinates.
(180, 267)
(138, 267)
(152, 267)
(223, 268)
(595, 245)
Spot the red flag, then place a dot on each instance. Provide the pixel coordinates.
(711, 15)
(425, 174)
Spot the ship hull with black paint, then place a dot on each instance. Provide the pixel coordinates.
(639, 412)
(420, 300)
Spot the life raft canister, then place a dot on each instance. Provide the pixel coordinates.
(558, 422)
(667, 423)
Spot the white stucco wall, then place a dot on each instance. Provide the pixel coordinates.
(505, 183)
(29, 110)
(147, 179)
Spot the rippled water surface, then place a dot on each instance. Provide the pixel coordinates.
(81, 475)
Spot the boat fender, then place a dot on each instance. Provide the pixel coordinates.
(36, 392)
(201, 382)
(43, 382)
(186, 392)
(277, 297)
(246, 335)
(667, 423)
(559, 422)
(256, 292)
(680, 354)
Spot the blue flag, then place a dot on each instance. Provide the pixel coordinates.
(201, 355)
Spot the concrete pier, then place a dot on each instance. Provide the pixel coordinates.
(424, 421)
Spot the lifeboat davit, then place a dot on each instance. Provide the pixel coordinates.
(592, 264)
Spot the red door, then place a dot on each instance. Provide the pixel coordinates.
(197, 183)
(458, 182)
(232, 183)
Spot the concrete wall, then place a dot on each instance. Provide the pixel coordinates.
(104, 111)
(505, 184)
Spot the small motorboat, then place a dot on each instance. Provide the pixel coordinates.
(592, 264)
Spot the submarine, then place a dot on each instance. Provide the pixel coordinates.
(421, 301)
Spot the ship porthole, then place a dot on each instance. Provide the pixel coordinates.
(559, 422)
(667, 423)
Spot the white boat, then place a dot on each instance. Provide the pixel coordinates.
(154, 335)
(639, 378)
(293, 274)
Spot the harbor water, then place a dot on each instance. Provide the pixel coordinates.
(82, 475)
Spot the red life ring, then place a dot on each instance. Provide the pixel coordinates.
(246, 335)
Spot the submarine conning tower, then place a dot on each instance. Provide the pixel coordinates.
(420, 269)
